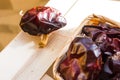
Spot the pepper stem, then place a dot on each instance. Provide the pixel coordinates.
(43, 40)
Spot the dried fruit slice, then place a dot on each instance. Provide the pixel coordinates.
(40, 21)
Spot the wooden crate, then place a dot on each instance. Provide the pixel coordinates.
(22, 59)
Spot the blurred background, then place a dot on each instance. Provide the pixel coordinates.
(10, 18)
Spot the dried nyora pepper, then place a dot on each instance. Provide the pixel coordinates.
(41, 21)
(83, 61)
(95, 56)
(105, 34)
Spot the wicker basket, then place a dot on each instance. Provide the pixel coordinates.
(90, 20)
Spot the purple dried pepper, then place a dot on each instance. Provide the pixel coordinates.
(42, 20)
(83, 60)
(107, 38)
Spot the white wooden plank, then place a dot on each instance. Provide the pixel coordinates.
(46, 77)
(9, 65)
(24, 49)
(74, 17)
(62, 5)
(40, 64)
(84, 8)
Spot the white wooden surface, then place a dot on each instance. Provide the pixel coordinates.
(45, 57)
(23, 54)
(46, 77)
(23, 50)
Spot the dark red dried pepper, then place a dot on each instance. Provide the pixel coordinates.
(42, 20)
(83, 60)
(108, 39)
(82, 64)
